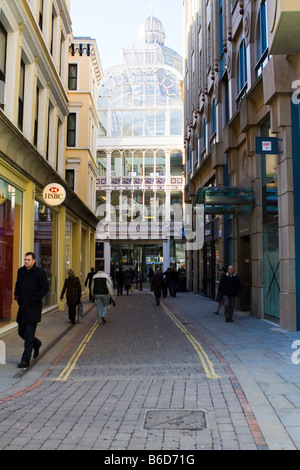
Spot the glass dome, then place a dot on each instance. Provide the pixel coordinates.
(142, 95)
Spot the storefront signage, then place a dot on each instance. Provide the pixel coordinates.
(54, 194)
(266, 145)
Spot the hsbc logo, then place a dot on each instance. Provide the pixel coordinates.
(54, 194)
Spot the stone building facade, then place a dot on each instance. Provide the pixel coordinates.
(241, 95)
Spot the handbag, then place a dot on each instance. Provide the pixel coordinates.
(112, 302)
(79, 311)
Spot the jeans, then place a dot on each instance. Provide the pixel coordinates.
(229, 304)
(102, 302)
(27, 333)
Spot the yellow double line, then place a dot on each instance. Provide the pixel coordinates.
(65, 374)
(205, 361)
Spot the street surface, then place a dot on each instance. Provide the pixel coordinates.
(163, 378)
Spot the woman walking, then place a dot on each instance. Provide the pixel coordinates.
(73, 287)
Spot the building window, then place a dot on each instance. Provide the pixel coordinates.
(72, 80)
(262, 39)
(242, 70)
(36, 118)
(41, 9)
(71, 133)
(21, 96)
(176, 167)
(70, 179)
(3, 47)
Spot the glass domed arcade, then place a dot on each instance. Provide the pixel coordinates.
(140, 152)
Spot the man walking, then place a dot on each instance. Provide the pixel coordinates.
(230, 287)
(88, 282)
(102, 290)
(157, 284)
(31, 286)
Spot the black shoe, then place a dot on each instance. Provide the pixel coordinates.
(23, 365)
(36, 351)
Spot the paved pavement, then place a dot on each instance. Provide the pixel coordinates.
(173, 377)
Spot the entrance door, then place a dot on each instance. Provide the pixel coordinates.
(245, 273)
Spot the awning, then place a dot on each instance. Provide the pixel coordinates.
(223, 200)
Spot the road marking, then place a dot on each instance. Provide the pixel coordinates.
(65, 374)
(205, 361)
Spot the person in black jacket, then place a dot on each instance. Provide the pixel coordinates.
(88, 281)
(157, 285)
(230, 288)
(73, 287)
(31, 286)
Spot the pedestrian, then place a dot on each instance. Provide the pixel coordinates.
(151, 275)
(120, 280)
(73, 287)
(166, 276)
(230, 288)
(157, 285)
(88, 282)
(219, 295)
(173, 282)
(31, 286)
(102, 291)
(127, 281)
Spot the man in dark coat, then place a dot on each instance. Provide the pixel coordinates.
(230, 287)
(88, 281)
(31, 286)
(157, 284)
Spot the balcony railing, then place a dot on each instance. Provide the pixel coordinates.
(139, 182)
(134, 230)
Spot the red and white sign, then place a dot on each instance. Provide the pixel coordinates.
(267, 146)
(54, 194)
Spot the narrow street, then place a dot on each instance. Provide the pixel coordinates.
(154, 378)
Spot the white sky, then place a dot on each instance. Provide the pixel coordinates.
(115, 23)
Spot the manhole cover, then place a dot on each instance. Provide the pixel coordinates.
(175, 419)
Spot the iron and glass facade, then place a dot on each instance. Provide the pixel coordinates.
(140, 155)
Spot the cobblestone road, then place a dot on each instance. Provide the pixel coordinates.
(149, 379)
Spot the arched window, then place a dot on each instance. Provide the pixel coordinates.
(242, 69)
(116, 164)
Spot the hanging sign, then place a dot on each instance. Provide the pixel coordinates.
(54, 194)
(266, 145)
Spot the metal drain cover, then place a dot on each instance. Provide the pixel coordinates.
(191, 420)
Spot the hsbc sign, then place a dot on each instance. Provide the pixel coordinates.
(54, 194)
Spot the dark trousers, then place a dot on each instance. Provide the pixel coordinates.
(157, 295)
(72, 313)
(27, 333)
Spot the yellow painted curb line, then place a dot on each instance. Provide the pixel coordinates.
(205, 361)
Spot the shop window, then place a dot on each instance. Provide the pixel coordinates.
(11, 203)
(45, 247)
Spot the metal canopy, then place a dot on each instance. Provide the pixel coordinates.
(223, 200)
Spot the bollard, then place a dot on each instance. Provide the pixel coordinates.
(2, 353)
(141, 284)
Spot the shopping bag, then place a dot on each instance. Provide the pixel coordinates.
(131, 288)
(79, 311)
